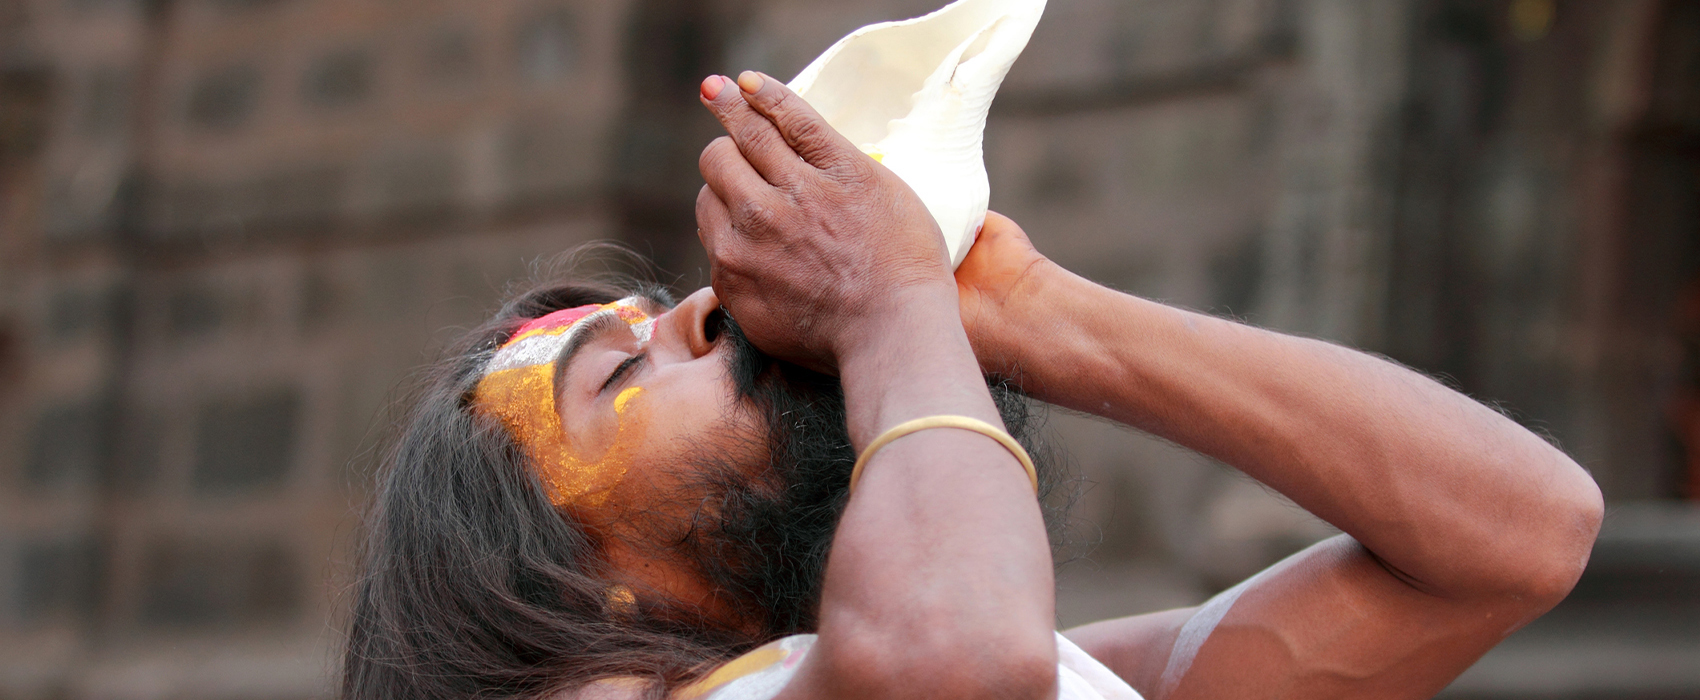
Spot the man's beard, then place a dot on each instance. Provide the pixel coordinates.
(762, 540)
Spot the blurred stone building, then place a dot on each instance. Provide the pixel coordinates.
(229, 228)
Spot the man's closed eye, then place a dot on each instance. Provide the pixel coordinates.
(623, 369)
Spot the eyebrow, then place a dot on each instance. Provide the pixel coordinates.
(657, 297)
(592, 330)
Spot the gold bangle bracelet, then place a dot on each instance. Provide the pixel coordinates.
(946, 421)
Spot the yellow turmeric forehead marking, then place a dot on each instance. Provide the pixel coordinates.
(625, 397)
(519, 389)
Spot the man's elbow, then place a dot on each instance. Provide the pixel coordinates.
(1011, 667)
(969, 672)
(1571, 523)
(1006, 676)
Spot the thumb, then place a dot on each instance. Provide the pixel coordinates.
(1000, 231)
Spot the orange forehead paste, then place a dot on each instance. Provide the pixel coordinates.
(523, 399)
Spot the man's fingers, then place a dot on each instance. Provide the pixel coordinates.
(803, 129)
(756, 137)
(714, 229)
(754, 209)
(726, 171)
(713, 221)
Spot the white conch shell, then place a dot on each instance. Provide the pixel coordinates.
(914, 94)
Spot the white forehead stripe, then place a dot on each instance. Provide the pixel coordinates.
(644, 330)
(544, 348)
(535, 350)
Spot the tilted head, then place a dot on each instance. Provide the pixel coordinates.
(601, 483)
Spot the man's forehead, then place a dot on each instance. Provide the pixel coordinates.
(556, 320)
(633, 309)
(519, 384)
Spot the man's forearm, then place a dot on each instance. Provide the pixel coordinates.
(1453, 496)
(943, 542)
(914, 361)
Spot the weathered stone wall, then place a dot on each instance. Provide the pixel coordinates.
(247, 222)
(230, 228)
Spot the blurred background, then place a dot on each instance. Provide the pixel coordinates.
(229, 229)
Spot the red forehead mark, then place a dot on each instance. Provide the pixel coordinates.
(554, 320)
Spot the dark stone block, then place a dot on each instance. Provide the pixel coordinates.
(301, 197)
(105, 106)
(393, 288)
(185, 585)
(1236, 275)
(178, 210)
(11, 357)
(219, 584)
(468, 295)
(248, 444)
(273, 590)
(103, 5)
(1125, 48)
(305, 198)
(1058, 180)
(420, 182)
(82, 209)
(322, 300)
(450, 57)
(26, 94)
(193, 310)
(75, 313)
(136, 464)
(339, 79)
(14, 17)
(224, 100)
(1676, 96)
(546, 47)
(1646, 553)
(57, 578)
(243, 5)
(479, 285)
(544, 159)
(70, 444)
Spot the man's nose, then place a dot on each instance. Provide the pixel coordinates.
(687, 323)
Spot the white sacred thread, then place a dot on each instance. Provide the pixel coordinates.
(1195, 631)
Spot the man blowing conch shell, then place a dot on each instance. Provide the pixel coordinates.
(800, 482)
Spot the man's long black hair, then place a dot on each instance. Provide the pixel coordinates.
(475, 586)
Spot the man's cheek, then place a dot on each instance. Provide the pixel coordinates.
(581, 478)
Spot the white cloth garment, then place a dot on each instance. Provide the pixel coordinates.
(762, 673)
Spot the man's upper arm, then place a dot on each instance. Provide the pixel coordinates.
(1327, 622)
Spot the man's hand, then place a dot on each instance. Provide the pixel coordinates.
(829, 260)
(811, 243)
(996, 285)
